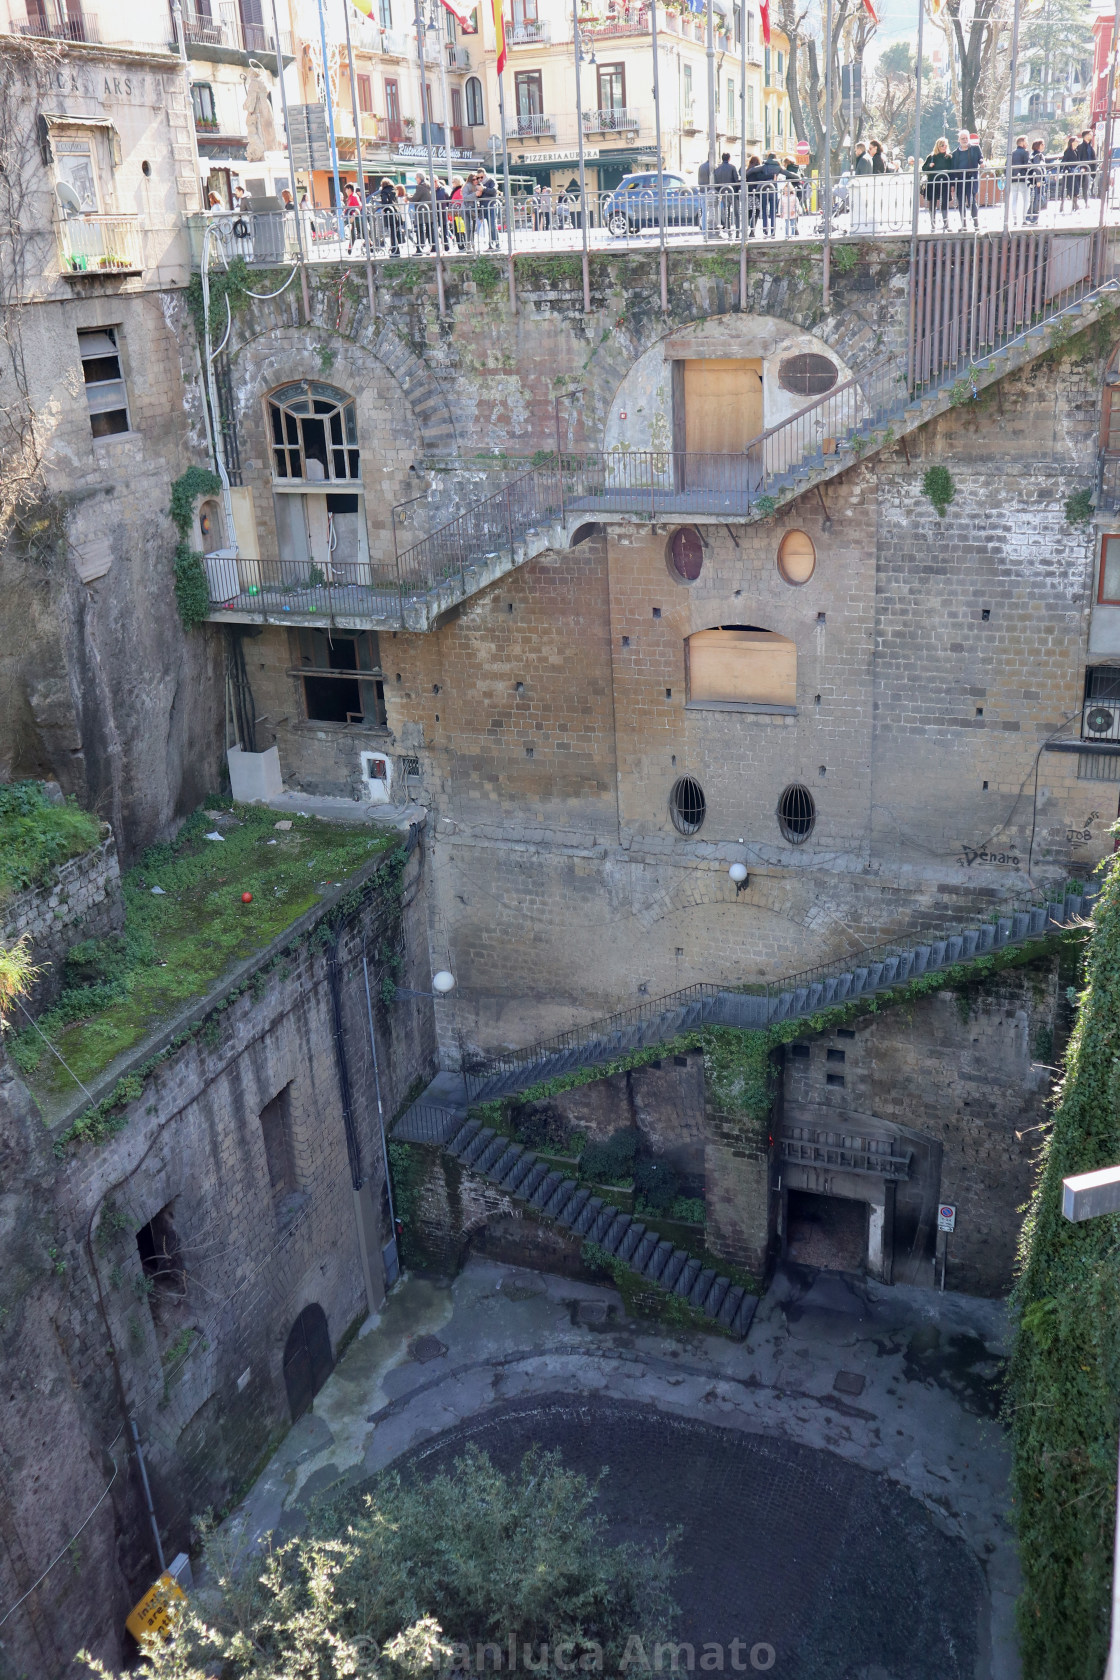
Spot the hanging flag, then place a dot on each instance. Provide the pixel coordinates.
(363, 6)
(870, 10)
(463, 11)
(500, 35)
(764, 14)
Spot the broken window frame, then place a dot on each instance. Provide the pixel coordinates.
(101, 392)
(292, 410)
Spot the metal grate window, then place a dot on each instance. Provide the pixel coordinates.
(686, 553)
(687, 805)
(796, 813)
(807, 376)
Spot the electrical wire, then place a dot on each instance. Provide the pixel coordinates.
(57, 1053)
(279, 289)
(12, 1608)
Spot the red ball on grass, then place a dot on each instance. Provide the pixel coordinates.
(246, 898)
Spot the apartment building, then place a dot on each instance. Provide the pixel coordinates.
(612, 57)
(232, 47)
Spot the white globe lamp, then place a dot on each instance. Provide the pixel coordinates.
(443, 982)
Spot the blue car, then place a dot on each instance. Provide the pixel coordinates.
(634, 203)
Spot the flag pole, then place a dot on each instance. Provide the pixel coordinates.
(505, 163)
(426, 119)
(1011, 120)
(365, 223)
(917, 197)
(330, 121)
(827, 159)
(710, 38)
(742, 154)
(577, 49)
(660, 167)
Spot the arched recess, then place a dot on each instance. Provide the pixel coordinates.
(308, 1360)
(741, 664)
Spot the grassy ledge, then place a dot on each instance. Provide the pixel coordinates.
(180, 939)
(37, 836)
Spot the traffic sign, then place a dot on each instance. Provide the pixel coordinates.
(946, 1217)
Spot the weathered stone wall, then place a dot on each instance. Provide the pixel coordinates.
(448, 1210)
(971, 1072)
(259, 1220)
(82, 901)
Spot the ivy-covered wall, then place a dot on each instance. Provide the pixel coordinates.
(1064, 1396)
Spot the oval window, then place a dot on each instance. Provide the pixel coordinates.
(808, 375)
(796, 813)
(797, 558)
(687, 805)
(686, 554)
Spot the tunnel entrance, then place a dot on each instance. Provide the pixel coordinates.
(827, 1231)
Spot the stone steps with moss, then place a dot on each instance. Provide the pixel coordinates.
(524, 1177)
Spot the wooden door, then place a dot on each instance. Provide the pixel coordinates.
(722, 404)
(722, 415)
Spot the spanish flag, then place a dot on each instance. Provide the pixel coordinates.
(500, 34)
(364, 6)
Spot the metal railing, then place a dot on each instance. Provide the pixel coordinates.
(609, 121)
(483, 534)
(75, 26)
(90, 244)
(351, 590)
(529, 34)
(859, 974)
(534, 122)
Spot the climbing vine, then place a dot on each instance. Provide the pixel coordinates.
(192, 594)
(938, 488)
(1064, 1392)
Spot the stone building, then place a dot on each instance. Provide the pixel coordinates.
(101, 691)
(178, 1286)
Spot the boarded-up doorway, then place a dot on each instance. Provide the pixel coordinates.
(722, 401)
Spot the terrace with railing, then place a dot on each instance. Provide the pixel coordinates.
(100, 245)
(611, 121)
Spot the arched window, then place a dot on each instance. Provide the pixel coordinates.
(473, 90)
(740, 663)
(314, 433)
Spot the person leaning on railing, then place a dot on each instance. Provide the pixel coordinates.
(966, 161)
(937, 179)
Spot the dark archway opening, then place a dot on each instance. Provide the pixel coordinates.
(308, 1360)
(827, 1231)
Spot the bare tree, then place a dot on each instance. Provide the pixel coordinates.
(25, 510)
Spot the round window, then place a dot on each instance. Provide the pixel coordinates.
(686, 554)
(807, 376)
(797, 558)
(796, 813)
(687, 805)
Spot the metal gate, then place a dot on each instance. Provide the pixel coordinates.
(308, 1360)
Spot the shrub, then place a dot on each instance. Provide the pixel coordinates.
(657, 1184)
(399, 1581)
(938, 487)
(611, 1161)
(1079, 507)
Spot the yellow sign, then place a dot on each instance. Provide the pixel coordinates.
(152, 1614)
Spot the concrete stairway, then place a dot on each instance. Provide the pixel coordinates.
(526, 1178)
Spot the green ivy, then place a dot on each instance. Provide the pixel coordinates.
(938, 487)
(1064, 1387)
(845, 258)
(226, 284)
(486, 275)
(1079, 507)
(192, 592)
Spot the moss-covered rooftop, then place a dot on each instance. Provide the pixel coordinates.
(232, 881)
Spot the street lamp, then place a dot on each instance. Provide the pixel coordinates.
(442, 983)
(738, 873)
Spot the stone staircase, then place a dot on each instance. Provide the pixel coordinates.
(524, 1177)
(439, 1117)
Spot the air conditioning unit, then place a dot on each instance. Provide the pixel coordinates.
(1100, 720)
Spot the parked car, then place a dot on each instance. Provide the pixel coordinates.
(634, 203)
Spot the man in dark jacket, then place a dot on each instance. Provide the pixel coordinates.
(966, 161)
(1020, 178)
(1087, 158)
(862, 164)
(422, 198)
(726, 179)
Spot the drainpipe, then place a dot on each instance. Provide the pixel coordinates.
(181, 44)
(362, 1205)
(212, 395)
(147, 1493)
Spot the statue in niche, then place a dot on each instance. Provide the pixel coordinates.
(260, 126)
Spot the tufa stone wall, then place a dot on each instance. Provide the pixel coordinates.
(82, 901)
(161, 1273)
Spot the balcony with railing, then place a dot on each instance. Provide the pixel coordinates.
(223, 28)
(616, 120)
(531, 33)
(536, 124)
(633, 21)
(92, 245)
(77, 25)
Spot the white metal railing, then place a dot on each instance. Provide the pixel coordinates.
(609, 121)
(529, 34)
(90, 244)
(535, 122)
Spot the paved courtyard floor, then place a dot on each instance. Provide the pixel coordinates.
(840, 1478)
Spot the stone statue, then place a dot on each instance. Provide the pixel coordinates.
(260, 126)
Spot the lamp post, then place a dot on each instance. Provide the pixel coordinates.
(577, 48)
(432, 32)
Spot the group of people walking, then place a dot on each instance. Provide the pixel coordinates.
(767, 188)
(951, 180)
(390, 216)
